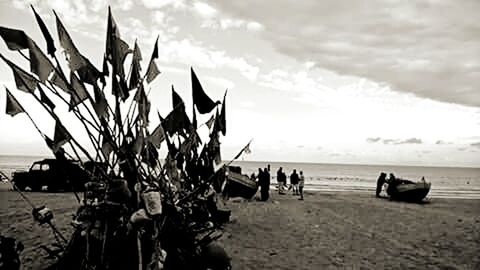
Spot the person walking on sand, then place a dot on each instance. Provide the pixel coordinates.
(301, 183)
(294, 182)
(281, 181)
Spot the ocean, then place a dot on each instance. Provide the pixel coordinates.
(447, 182)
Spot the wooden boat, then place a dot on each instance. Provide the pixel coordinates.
(240, 185)
(406, 190)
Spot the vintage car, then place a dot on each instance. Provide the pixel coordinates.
(52, 175)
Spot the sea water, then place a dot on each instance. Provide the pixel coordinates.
(447, 182)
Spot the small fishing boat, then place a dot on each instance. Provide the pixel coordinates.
(402, 189)
(410, 191)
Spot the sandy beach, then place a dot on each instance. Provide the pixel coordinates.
(326, 231)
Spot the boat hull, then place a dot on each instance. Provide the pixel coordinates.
(410, 192)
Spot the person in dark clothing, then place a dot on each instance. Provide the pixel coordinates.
(380, 182)
(294, 182)
(264, 181)
(281, 180)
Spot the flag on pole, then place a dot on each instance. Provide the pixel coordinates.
(157, 136)
(60, 137)
(12, 107)
(100, 105)
(152, 70)
(210, 122)
(115, 48)
(15, 39)
(45, 99)
(245, 150)
(46, 34)
(204, 103)
(58, 81)
(135, 76)
(39, 63)
(80, 93)
(74, 58)
(223, 117)
(23, 80)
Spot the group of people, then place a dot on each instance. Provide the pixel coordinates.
(297, 182)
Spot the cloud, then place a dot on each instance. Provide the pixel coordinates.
(194, 52)
(395, 141)
(204, 9)
(440, 142)
(410, 141)
(406, 45)
(373, 140)
(158, 4)
(477, 144)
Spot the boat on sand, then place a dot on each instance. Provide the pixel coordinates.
(403, 189)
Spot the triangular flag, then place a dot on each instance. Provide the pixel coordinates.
(58, 81)
(135, 76)
(115, 48)
(23, 79)
(75, 59)
(13, 107)
(223, 118)
(46, 34)
(119, 88)
(157, 136)
(245, 149)
(44, 98)
(210, 122)
(60, 137)
(15, 39)
(200, 99)
(39, 63)
(152, 70)
(100, 105)
(80, 93)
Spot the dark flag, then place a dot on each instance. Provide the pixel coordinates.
(15, 39)
(39, 63)
(157, 136)
(23, 80)
(74, 58)
(44, 98)
(13, 107)
(177, 120)
(100, 106)
(46, 34)
(60, 137)
(115, 48)
(200, 99)
(119, 88)
(135, 76)
(210, 122)
(143, 104)
(152, 70)
(223, 119)
(245, 149)
(80, 93)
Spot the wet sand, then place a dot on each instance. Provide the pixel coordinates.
(326, 231)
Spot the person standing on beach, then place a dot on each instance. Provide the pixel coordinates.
(281, 180)
(294, 182)
(264, 182)
(301, 183)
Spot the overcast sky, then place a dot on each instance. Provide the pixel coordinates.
(369, 82)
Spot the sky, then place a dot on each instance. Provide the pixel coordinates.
(358, 82)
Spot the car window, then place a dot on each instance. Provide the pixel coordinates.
(36, 167)
(45, 167)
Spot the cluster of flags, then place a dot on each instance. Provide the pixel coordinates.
(130, 130)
